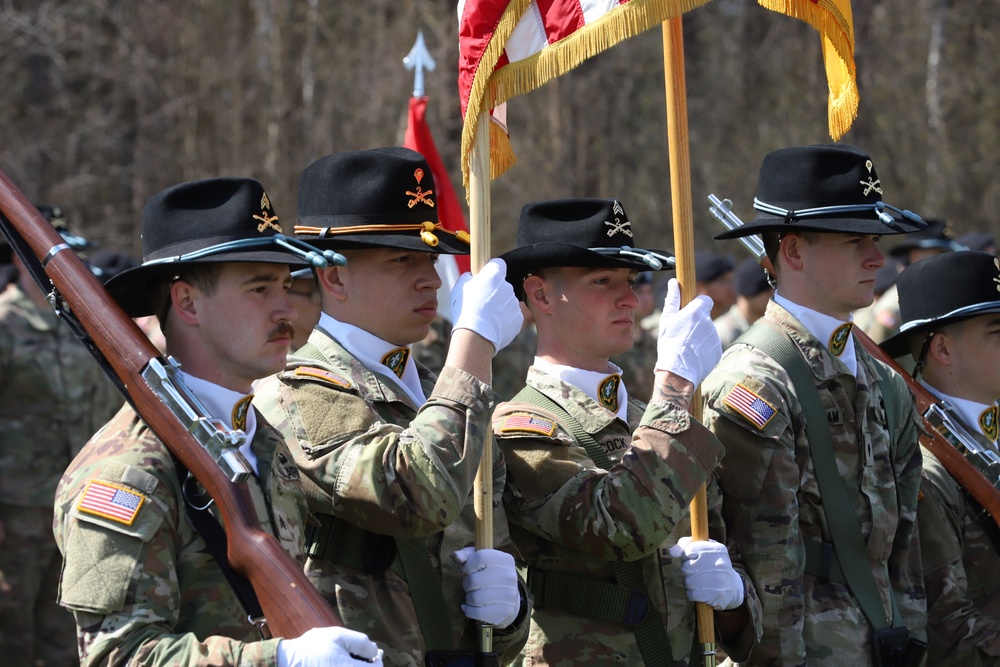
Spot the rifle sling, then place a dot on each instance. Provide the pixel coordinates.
(206, 525)
(845, 531)
(650, 634)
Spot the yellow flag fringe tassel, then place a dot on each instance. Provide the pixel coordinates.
(524, 76)
(835, 23)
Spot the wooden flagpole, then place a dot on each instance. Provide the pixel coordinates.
(479, 231)
(680, 195)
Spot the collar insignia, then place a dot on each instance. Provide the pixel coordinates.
(240, 412)
(988, 422)
(839, 338)
(267, 221)
(870, 184)
(396, 360)
(607, 392)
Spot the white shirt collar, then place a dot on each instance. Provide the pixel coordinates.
(369, 350)
(822, 327)
(588, 382)
(968, 411)
(220, 402)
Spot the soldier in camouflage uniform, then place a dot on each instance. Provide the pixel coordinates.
(950, 311)
(599, 483)
(388, 451)
(752, 294)
(141, 582)
(825, 256)
(53, 396)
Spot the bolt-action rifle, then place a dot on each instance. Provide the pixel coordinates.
(975, 468)
(150, 383)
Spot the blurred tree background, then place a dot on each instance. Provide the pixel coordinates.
(108, 101)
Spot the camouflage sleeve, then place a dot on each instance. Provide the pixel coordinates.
(556, 491)
(759, 480)
(957, 625)
(404, 482)
(121, 583)
(905, 567)
(737, 645)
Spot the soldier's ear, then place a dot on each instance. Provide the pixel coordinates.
(183, 303)
(537, 292)
(331, 283)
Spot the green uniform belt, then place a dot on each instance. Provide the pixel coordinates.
(585, 596)
(345, 544)
(822, 562)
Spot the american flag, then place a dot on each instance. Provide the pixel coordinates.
(750, 405)
(110, 501)
(511, 47)
(524, 422)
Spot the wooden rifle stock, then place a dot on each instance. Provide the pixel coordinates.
(964, 472)
(289, 601)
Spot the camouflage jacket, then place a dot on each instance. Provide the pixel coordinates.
(730, 325)
(53, 397)
(568, 515)
(374, 461)
(141, 582)
(961, 573)
(772, 504)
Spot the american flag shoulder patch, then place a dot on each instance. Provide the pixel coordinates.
(752, 407)
(525, 423)
(111, 501)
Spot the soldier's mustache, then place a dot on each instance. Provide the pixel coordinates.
(283, 329)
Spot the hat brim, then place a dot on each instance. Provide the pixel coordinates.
(899, 344)
(524, 260)
(448, 244)
(132, 289)
(835, 224)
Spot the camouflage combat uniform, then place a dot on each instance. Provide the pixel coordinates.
(771, 500)
(567, 515)
(961, 571)
(53, 397)
(730, 325)
(150, 593)
(370, 460)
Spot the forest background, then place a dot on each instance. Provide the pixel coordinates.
(108, 101)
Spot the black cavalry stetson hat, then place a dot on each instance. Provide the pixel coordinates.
(578, 232)
(825, 188)
(944, 288)
(206, 221)
(377, 198)
(939, 235)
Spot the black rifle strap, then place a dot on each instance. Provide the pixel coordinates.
(211, 531)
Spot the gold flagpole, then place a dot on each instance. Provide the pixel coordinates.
(680, 194)
(479, 230)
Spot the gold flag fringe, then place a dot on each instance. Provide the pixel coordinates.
(524, 76)
(837, 31)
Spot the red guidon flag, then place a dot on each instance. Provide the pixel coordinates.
(510, 47)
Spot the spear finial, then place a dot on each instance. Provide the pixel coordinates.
(419, 59)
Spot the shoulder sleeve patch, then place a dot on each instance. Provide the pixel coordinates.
(521, 422)
(323, 375)
(750, 406)
(111, 501)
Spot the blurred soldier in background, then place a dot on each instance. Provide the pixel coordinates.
(53, 396)
(753, 291)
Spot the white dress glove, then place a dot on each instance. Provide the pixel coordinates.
(329, 647)
(688, 344)
(485, 303)
(491, 593)
(709, 576)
